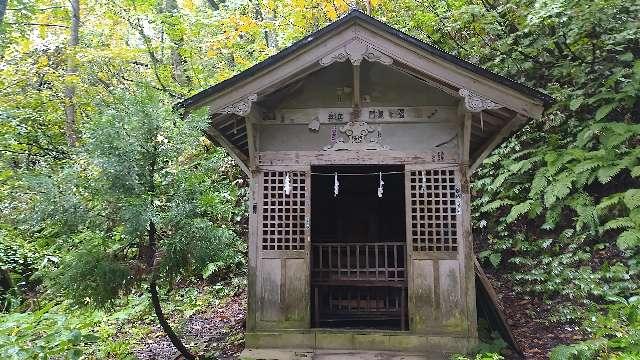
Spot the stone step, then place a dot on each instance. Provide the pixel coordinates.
(306, 354)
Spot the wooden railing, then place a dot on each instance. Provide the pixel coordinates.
(359, 281)
(374, 263)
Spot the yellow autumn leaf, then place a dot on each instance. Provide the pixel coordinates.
(188, 4)
(43, 61)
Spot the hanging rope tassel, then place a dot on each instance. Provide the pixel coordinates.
(287, 185)
(423, 187)
(481, 122)
(380, 189)
(336, 185)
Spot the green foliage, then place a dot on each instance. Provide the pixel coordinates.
(91, 274)
(150, 170)
(616, 334)
(48, 332)
(481, 356)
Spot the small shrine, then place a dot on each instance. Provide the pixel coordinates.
(359, 142)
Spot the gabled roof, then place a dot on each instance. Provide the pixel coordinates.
(356, 15)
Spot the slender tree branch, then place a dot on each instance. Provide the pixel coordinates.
(38, 24)
(38, 9)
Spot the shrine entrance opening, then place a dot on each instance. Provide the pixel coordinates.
(358, 247)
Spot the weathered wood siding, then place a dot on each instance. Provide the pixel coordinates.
(435, 246)
(282, 270)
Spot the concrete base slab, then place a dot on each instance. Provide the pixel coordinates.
(306, 354)
(276, 354)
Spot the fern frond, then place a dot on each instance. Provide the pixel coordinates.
(629, 239)
(619, 223)
(522, 166)
(551, 217)
(635, 171)
(588, 165)
(632, 198)
(555, 163)
(559, 189)
(520, 154)
(538, 184)
(608, 202)
(518, 210)
(605, 174)
(499, 181)
(616, 133)
(494, 205)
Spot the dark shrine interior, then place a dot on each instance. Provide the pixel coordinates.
(358, 248)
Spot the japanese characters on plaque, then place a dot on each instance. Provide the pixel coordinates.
(371, 114)
(376, 114)
(396, 113)
(458, 200)
(335, 116)
(437, 156)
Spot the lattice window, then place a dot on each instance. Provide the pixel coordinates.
(283, 215)
(435, 205)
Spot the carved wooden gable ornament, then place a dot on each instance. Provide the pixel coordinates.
(359, 137)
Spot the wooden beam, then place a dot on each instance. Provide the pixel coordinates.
(412, 114)
(355, 157)
(424, 79)
(240, 158)
(356, 86)
(253, 118)
(466, 137)
(482, 154)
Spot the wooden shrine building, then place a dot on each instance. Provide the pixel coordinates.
(358, 141)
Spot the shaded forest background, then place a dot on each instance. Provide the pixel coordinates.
(104, 190)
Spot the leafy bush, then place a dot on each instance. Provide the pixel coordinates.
(91, 274)
(481, 356)
(616, 334)
(48, 332)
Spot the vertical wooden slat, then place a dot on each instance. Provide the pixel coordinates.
(348, 261)
(316, 312)
(377, 260)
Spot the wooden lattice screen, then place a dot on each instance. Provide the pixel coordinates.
(435, 203)
(283, 215)
(283, 242)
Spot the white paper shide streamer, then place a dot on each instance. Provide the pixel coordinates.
(380, 189)
(287, 185)
(423, 186)
(336, 185)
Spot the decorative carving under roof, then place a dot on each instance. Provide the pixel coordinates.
(355, 51)
(358, 138)
(241, 107)
(476, 103)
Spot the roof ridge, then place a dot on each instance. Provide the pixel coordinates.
(358, 14)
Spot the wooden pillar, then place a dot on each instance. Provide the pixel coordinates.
(467, 254)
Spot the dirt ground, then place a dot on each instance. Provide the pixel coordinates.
(528, 319)
(219, 333)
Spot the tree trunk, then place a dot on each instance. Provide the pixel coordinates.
(70, 89)
(3, 9)
(177, 61)
(155, 298)
(269, 37)
(214, 5)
